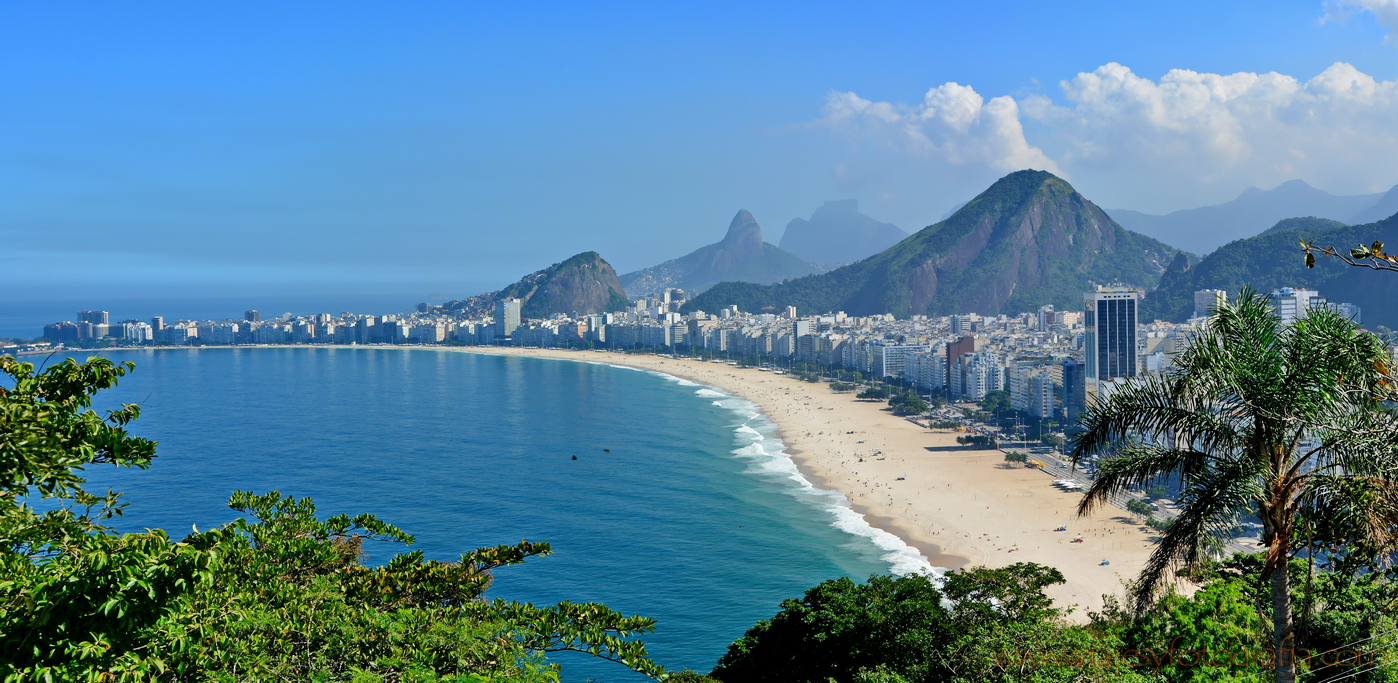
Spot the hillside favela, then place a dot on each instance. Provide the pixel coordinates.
(775, 343)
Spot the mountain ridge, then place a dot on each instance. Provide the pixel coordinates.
(1203, 229)
(837, 233)
(741, 255)
(1029, 239)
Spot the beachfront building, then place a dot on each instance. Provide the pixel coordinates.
(506, 317)
(888, 359)
(927, 370)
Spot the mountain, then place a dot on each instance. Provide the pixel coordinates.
(1273, 260)
(1028, 240)
(740, 256)
(582, 284)
(1385, 207)
(1207, 228)
(838, 233)
(1304, 222)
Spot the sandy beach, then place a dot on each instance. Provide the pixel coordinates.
(959, 507)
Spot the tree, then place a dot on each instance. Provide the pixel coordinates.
(1016, 456)
(980, 625)
(1052, 440)
(908, 403)
(996, 401)
(282, 596)
(873, 393)
(1229, 422)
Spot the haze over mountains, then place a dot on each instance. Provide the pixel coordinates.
(1204, 229)
(740, 255)
(838, 233)
(1028, 240)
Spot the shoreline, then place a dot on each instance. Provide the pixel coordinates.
(954, 506)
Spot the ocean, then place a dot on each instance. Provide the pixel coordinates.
(680, 506)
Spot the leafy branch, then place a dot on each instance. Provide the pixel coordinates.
(1371, 256)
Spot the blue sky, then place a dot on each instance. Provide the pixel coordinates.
(376, 151)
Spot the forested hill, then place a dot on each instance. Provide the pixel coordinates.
(1273, 260)
(1028, 240)
(583, 284)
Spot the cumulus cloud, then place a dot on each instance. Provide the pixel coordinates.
(1386, 11)
(1188, 133)
(953, 124)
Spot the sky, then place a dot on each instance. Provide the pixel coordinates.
(346, 155)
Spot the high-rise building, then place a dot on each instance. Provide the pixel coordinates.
(1206, 299)
(94, 317)
(1292, 304)
(157, 323)
(252, 316)
(506, 317)
(959, 348)
(1109, 334)
(1074, 393)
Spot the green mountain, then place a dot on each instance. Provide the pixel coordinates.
(1311, 222)
(1028, 240)
(1273, 260)
(741, 255)
(582, 284)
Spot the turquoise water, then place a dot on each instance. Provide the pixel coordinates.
(694, 518)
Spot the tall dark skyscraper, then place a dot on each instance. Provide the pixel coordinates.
(1109, 339)
(252, 316)
(1074, 398)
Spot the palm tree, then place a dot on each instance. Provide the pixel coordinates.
(1287, 423)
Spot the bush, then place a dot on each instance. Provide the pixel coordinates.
(1015, 456)
(841, 387)
(944, 424)
(1139, 508)
(908, 403)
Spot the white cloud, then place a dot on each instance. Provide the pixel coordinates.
(953, 124)
(1187, 139)
(1386, 11)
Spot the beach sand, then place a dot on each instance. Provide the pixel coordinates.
(960, 507)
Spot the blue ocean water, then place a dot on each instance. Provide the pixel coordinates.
(694, 517)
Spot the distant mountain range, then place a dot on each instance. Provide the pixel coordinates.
(1273, 260)
(838, 233)
(583, 284)
(740, 255)
(1030, 239)
(1207, 228)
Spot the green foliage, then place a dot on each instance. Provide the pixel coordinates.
(842, 387)
(1157, 491)
(1052, 440)
(908, 403)
(1241, 399)
(977, 627)
(974, 440)
(996, 401)
(1139, 508)
(277, 595)
(1252, 263)
(943, 424)
(1078, 245)
(873, 393)
(1016, 456)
